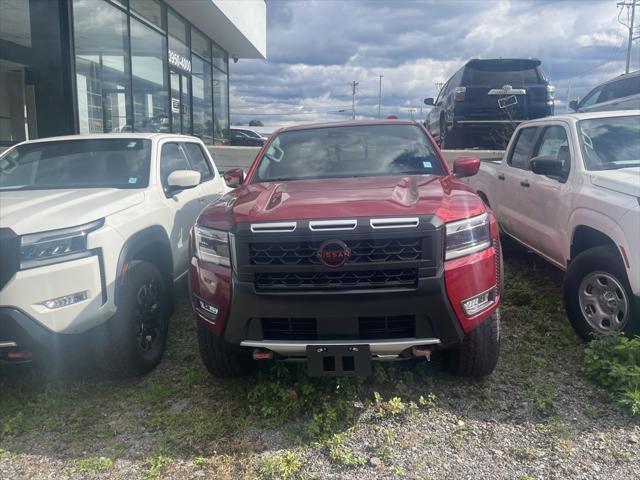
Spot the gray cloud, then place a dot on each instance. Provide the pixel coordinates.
(317, 47)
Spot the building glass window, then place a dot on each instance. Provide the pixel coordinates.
(220, 58)
(150, 10)
(102, 75)
(202, 100)
(200, 45)
(178, 30)
(220, 106)
(149, 69)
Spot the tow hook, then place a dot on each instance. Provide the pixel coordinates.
(422, 352)
(262, 354)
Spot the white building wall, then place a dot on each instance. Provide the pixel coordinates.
(249, 16)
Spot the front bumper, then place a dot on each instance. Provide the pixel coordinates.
(28, 289)
(280, 297)
(21, 333)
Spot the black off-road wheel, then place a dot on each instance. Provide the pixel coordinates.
(223, 359)
(133, 341)
(478, 354)
(597, 294)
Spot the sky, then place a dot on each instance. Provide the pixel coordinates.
(315, 48)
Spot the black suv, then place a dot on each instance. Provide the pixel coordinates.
(486, 99)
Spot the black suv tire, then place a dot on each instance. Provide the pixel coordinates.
(607, 260)
(478, 354)
(133, 341)
(221, 358)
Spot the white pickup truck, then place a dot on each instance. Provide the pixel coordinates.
(94, 231)
(568, 188)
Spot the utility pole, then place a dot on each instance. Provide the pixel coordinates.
(353, 84)
(630, 18)
(380, 96)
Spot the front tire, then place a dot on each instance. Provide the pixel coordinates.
(133, 341)
(478, 354)
(223, 359)
(597, 294)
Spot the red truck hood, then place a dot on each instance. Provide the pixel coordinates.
(402, 195)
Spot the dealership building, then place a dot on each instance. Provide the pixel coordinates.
(95, 66)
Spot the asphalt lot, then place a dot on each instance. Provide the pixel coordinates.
(537, 416)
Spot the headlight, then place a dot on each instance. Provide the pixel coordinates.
(468, 236)
(212, 245)
(55, 246)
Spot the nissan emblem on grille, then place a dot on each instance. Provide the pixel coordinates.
(333, 253)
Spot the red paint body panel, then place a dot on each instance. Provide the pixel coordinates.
(466, 277)
(212, 283)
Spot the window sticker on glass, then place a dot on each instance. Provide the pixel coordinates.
(426, 164)
(132, 144)
(133, 180)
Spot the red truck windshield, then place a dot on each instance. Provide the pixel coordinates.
(348, 151)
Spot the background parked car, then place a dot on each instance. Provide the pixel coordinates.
(486, 100)
(621, 93)
(245, 137)
(568, 189)
(94, 231)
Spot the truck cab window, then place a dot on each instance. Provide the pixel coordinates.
(555, 144)
(522, 150)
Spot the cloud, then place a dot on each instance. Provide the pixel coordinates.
(317, 47)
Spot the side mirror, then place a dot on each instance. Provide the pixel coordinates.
(234, 177)
(429, 101)
(183, 179)
(549, 166)
(466, 166)
(573, 105)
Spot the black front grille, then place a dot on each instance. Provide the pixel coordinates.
(398, 326)
(368, 328)
(336, 280)
(362, 251)
(289, 328)
(9, 255)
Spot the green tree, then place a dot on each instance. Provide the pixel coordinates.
(256, 123)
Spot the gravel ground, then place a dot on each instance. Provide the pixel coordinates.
(537, 416)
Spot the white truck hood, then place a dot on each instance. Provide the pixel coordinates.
(626, 180)
(29, 211)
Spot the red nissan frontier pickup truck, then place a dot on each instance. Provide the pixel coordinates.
(347, 243)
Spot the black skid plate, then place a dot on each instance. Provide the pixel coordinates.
(339, 360)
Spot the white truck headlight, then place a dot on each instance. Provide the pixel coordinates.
(54, 246)
(467, 236)
(212, 245)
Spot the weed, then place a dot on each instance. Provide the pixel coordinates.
(93, 464)
(342, 454)
(541, 396)
(284, 466)
(157, 464)
(613, 361)
(527, 453)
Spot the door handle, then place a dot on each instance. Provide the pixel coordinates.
(525, 184)
(501, 176)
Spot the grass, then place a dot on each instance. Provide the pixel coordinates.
(226, 426)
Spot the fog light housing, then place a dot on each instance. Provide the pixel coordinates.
(207, 310)
(66, 300)
(474, 305)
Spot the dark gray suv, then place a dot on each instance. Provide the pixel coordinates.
(485, 100)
